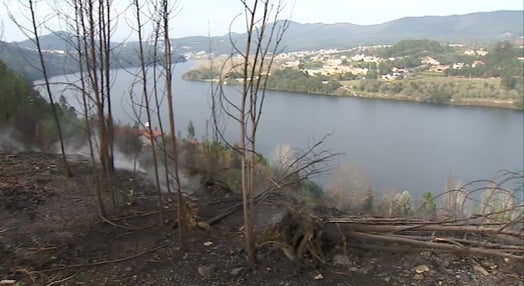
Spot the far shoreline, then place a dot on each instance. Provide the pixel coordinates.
(497, 103)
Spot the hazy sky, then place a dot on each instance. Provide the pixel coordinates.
(200, 17)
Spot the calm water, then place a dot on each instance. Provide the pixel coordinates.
(397, 145)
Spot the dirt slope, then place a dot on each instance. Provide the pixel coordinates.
(51, 234)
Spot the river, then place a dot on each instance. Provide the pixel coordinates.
(392, 144)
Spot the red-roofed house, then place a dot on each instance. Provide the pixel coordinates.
(145, 135)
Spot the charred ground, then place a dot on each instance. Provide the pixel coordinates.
(51, 234)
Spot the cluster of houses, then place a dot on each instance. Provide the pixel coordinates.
(337, 62)
(331, 61)
(359, 61)
(435, 65)
(396, 73)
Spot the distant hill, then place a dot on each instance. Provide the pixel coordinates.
(485, 27)
(54, 41)
(59, 54)
(26, 63)
(475, 28)
(478, 28)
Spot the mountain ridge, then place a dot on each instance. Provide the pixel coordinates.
(443, 28)
(473, 28)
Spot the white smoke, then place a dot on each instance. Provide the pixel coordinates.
(8, 141)
(121, 160)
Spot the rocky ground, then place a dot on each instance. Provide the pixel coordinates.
(51, 234)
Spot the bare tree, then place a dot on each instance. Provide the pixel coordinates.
(262, 44)
(292, 166)
(145, 95)
(163, 143)
(168, 74)
(47, 86)
(81, 49)
(349, 187)
(95, 32)
(157, 22)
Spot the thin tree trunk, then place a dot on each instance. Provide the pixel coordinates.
(247, 149)
(103, 56)
(157, 104)
(79, 23)
(260, 45)
(148, 111)
(48, 89)
(92, 69)
(107, 70)
(169, 89)
(93, 38)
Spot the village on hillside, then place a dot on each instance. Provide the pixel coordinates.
(409, 70)
(362, 60)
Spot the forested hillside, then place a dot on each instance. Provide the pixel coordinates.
(23, 61)
(25, 116)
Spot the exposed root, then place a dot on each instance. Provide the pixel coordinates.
(310, 239)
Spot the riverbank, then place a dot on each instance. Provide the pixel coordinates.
(485, 92)
(493, 103)
(345, 91)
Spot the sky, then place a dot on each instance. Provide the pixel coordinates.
(213, 17)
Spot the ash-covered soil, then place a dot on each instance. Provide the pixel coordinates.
(51, 234)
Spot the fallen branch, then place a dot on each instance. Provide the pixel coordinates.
(38, 249)
(124, 226)
(395, 248)
(106, 261)
(237, 207)
(420, 227)
(467, 243)
(433, 245)
(224, 214)
(61, 280)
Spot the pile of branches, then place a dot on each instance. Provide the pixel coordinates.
(443, 236)
(483, 217)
